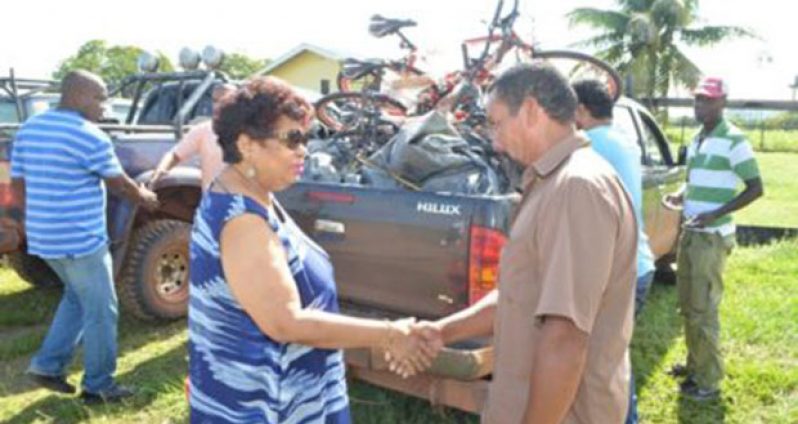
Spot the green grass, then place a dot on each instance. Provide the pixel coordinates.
(759, 338)
(784, 141)
(779, 206)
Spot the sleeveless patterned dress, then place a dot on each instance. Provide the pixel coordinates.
(237, 373)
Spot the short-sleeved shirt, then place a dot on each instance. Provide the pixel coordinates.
(571, 253)
(624, 156)
(63, 159)
(201, 140)
(716, 167)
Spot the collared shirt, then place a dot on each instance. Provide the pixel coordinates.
(63, 159)
(624, 156)
(571, 252)
(716, 167)
(201, 140)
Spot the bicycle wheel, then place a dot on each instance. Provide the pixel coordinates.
(576, 65)
(347, 111)
(372, 80)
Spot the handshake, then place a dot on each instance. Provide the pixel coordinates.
(411, 346)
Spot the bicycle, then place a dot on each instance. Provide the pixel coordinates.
(361, 75)
(477, 72)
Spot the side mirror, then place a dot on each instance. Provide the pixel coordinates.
(682, 159)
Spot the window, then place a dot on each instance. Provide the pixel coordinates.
(8, 113)
(652, 153)
(622, 119)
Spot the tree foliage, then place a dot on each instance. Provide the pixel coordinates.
(239, 66)
(644, 39)
(112, 63)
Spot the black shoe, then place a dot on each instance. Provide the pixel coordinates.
(679, 370)
(116, 393)
(687, 384)
(698, 394)
(54, 383)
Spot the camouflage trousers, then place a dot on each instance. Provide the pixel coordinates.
(701, 259)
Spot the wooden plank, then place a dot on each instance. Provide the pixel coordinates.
(467, 396)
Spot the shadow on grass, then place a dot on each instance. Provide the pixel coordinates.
(375, 405)
(655, 331)
(29, 307)
(133, 336)
(693, 412)
(161, 374)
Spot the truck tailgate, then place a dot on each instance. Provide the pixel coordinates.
(393, 250)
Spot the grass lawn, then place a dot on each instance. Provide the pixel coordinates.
(759, 337)
(779, 206)
(785, 141)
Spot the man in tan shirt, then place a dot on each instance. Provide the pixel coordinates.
(562, 316)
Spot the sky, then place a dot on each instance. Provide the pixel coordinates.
(45, 32)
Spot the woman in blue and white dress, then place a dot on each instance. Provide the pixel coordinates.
(264, 330)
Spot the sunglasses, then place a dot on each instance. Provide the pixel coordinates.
(292, 139)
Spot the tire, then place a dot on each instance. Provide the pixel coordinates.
(345, 111)
(154, 281)
(33, 269)
(583, 65)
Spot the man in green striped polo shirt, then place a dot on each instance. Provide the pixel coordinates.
(720, 160)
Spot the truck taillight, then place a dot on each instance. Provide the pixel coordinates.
(483, 261)
(6, 192)
(6, 195)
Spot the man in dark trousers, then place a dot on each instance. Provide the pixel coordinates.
(594, 116)
(60, 165)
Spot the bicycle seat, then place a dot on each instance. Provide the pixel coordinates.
(381, 26)
(355, 68)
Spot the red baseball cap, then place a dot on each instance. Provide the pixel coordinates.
(712, 87)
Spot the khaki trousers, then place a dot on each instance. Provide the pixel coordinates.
(701, 259)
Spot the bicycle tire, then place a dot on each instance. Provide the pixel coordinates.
(328, 104)
(346, 85)
(611, 76)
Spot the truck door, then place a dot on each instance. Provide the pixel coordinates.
(662, 171)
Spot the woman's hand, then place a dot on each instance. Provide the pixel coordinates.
(411, 347)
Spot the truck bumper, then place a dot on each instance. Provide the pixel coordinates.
(457, 378)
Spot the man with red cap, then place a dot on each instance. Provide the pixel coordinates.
(718, 160)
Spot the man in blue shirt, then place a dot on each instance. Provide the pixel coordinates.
(60, 164)
(594, 116)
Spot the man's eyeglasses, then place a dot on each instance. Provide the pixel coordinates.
(292, 138)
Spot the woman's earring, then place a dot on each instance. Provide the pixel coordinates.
(250, 172)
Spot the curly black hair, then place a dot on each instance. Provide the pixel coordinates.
(253, 109)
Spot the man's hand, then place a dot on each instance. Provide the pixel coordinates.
(673, 200)
(155, 177)
(148, 199)
(701, 220)
(414, 349)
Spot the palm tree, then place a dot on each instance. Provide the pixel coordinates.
(644, 40)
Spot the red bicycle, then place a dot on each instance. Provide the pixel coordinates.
(360, 75)
(458, 91)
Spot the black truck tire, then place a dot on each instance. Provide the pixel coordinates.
(154, 279)
(33, 269)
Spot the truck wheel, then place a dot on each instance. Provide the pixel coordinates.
(154, 282)
(33, 269)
